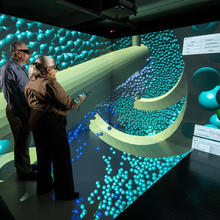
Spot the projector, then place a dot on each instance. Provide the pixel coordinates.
(118, 9)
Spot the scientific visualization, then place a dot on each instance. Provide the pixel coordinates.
(138, 121)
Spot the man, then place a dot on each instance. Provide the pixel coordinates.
(13, 78)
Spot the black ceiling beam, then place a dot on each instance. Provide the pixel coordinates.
(180, 18)
(184, 16)
(97, 24)
(93, 13)
(86, 23)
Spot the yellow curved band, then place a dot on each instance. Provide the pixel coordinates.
(164, 101)
(144, 146)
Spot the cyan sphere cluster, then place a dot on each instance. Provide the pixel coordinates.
(207, 99)
(133, 121)
(168, 61)
(145, 123)
(79, 211)
(121, 188)
(4, 146)
(206, 80)
(67, 47)
(213, 120)
(123, 42)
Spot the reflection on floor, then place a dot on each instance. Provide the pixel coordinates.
(108, 181)
(189, 191)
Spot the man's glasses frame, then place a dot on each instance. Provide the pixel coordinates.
(56, 67)
(27, 51)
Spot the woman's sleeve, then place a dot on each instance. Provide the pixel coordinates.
(59, 96)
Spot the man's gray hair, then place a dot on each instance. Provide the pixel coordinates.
(14, 46)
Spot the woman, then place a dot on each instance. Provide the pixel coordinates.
(49, 105)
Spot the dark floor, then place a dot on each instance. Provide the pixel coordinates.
(190, 191)
(5, 212)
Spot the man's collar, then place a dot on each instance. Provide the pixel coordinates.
(13, 60)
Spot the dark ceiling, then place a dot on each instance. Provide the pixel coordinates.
(115, 18)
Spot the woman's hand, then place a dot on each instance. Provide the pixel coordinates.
(82, 98)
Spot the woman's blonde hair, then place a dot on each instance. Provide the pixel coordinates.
(40, 65)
